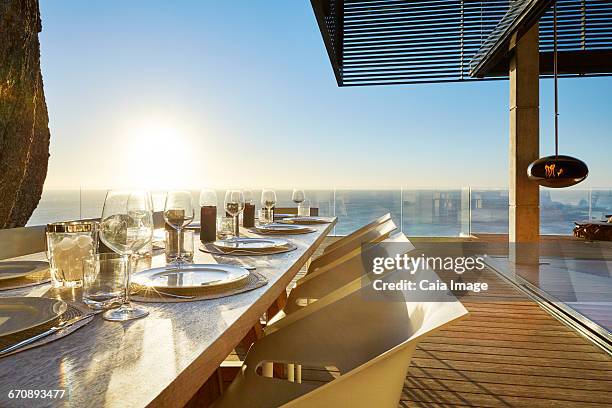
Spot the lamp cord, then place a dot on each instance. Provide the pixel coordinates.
(555, 78)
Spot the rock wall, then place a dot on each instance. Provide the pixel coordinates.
(24, 122)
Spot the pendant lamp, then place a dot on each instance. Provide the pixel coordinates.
(557, 171)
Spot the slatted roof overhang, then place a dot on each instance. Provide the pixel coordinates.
(379, 42)
(584, 39)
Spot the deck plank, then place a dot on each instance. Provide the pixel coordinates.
(507, 353)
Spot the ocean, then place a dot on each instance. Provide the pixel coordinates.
(418, 212)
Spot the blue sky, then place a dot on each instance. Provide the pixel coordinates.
(183, 94)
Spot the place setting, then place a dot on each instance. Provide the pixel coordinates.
(248, 246)
(182, 280)
(269, 224)
(228, 240)
(18, 274)
(282, 229)
(27, 322)
(303, 220)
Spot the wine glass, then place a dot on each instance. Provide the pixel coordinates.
(208, 198)
(126, 226)
(298, 196)
(234, 205)
(178, 213)
(268, 201)
(248, 196)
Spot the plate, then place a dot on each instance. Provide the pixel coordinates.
(23, 313)
(304, 220)
(19, 269)
(283, 215)
(190, 276)
(251, 244)
(283, 229)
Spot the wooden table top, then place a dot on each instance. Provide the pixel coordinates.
(158, 361)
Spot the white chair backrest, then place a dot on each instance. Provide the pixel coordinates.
(348, 249)
(326, 280)
(358, 232)
(368, 335)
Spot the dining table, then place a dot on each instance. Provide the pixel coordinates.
(161, 360)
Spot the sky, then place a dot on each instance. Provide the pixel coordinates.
(191, 93)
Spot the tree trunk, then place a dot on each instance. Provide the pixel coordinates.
(24, 122)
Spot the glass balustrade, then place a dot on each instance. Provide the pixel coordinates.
(416, 212)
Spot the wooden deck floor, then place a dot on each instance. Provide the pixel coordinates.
(507, 353)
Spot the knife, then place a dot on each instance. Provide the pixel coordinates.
(55, 329)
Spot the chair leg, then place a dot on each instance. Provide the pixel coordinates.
(267, 370)
(291, 372)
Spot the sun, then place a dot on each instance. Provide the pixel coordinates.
(159, 154)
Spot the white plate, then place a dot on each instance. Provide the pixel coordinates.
(280, 215)
(251, 244)
(283, 229)
(19, 269)
(23, 313)
(280, 227)
(190, 276)
(304, 220)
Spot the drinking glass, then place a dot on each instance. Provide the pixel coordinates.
(178, 213)
(103, 282)
(304, 209)
(185, 253)
(298, 196)
(234, 205)
(248, 196)
(208, 198)
(225, 228)
(268, 201)
(264, 217)
(126, 226)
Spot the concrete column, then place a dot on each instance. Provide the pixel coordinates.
(524, 199)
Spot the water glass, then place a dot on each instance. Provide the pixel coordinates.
(174, 254)
(266, 216)
(225, 228)
(304, 209)
(103, 282)
(71, 250)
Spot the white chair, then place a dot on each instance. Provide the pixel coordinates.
(325, 280)
(366, 335)
(340, 253)
(355, 234)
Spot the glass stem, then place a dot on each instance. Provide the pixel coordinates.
(237, 226)
(127, 260)
(179, 247)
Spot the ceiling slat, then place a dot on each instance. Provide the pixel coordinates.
(379, 42)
